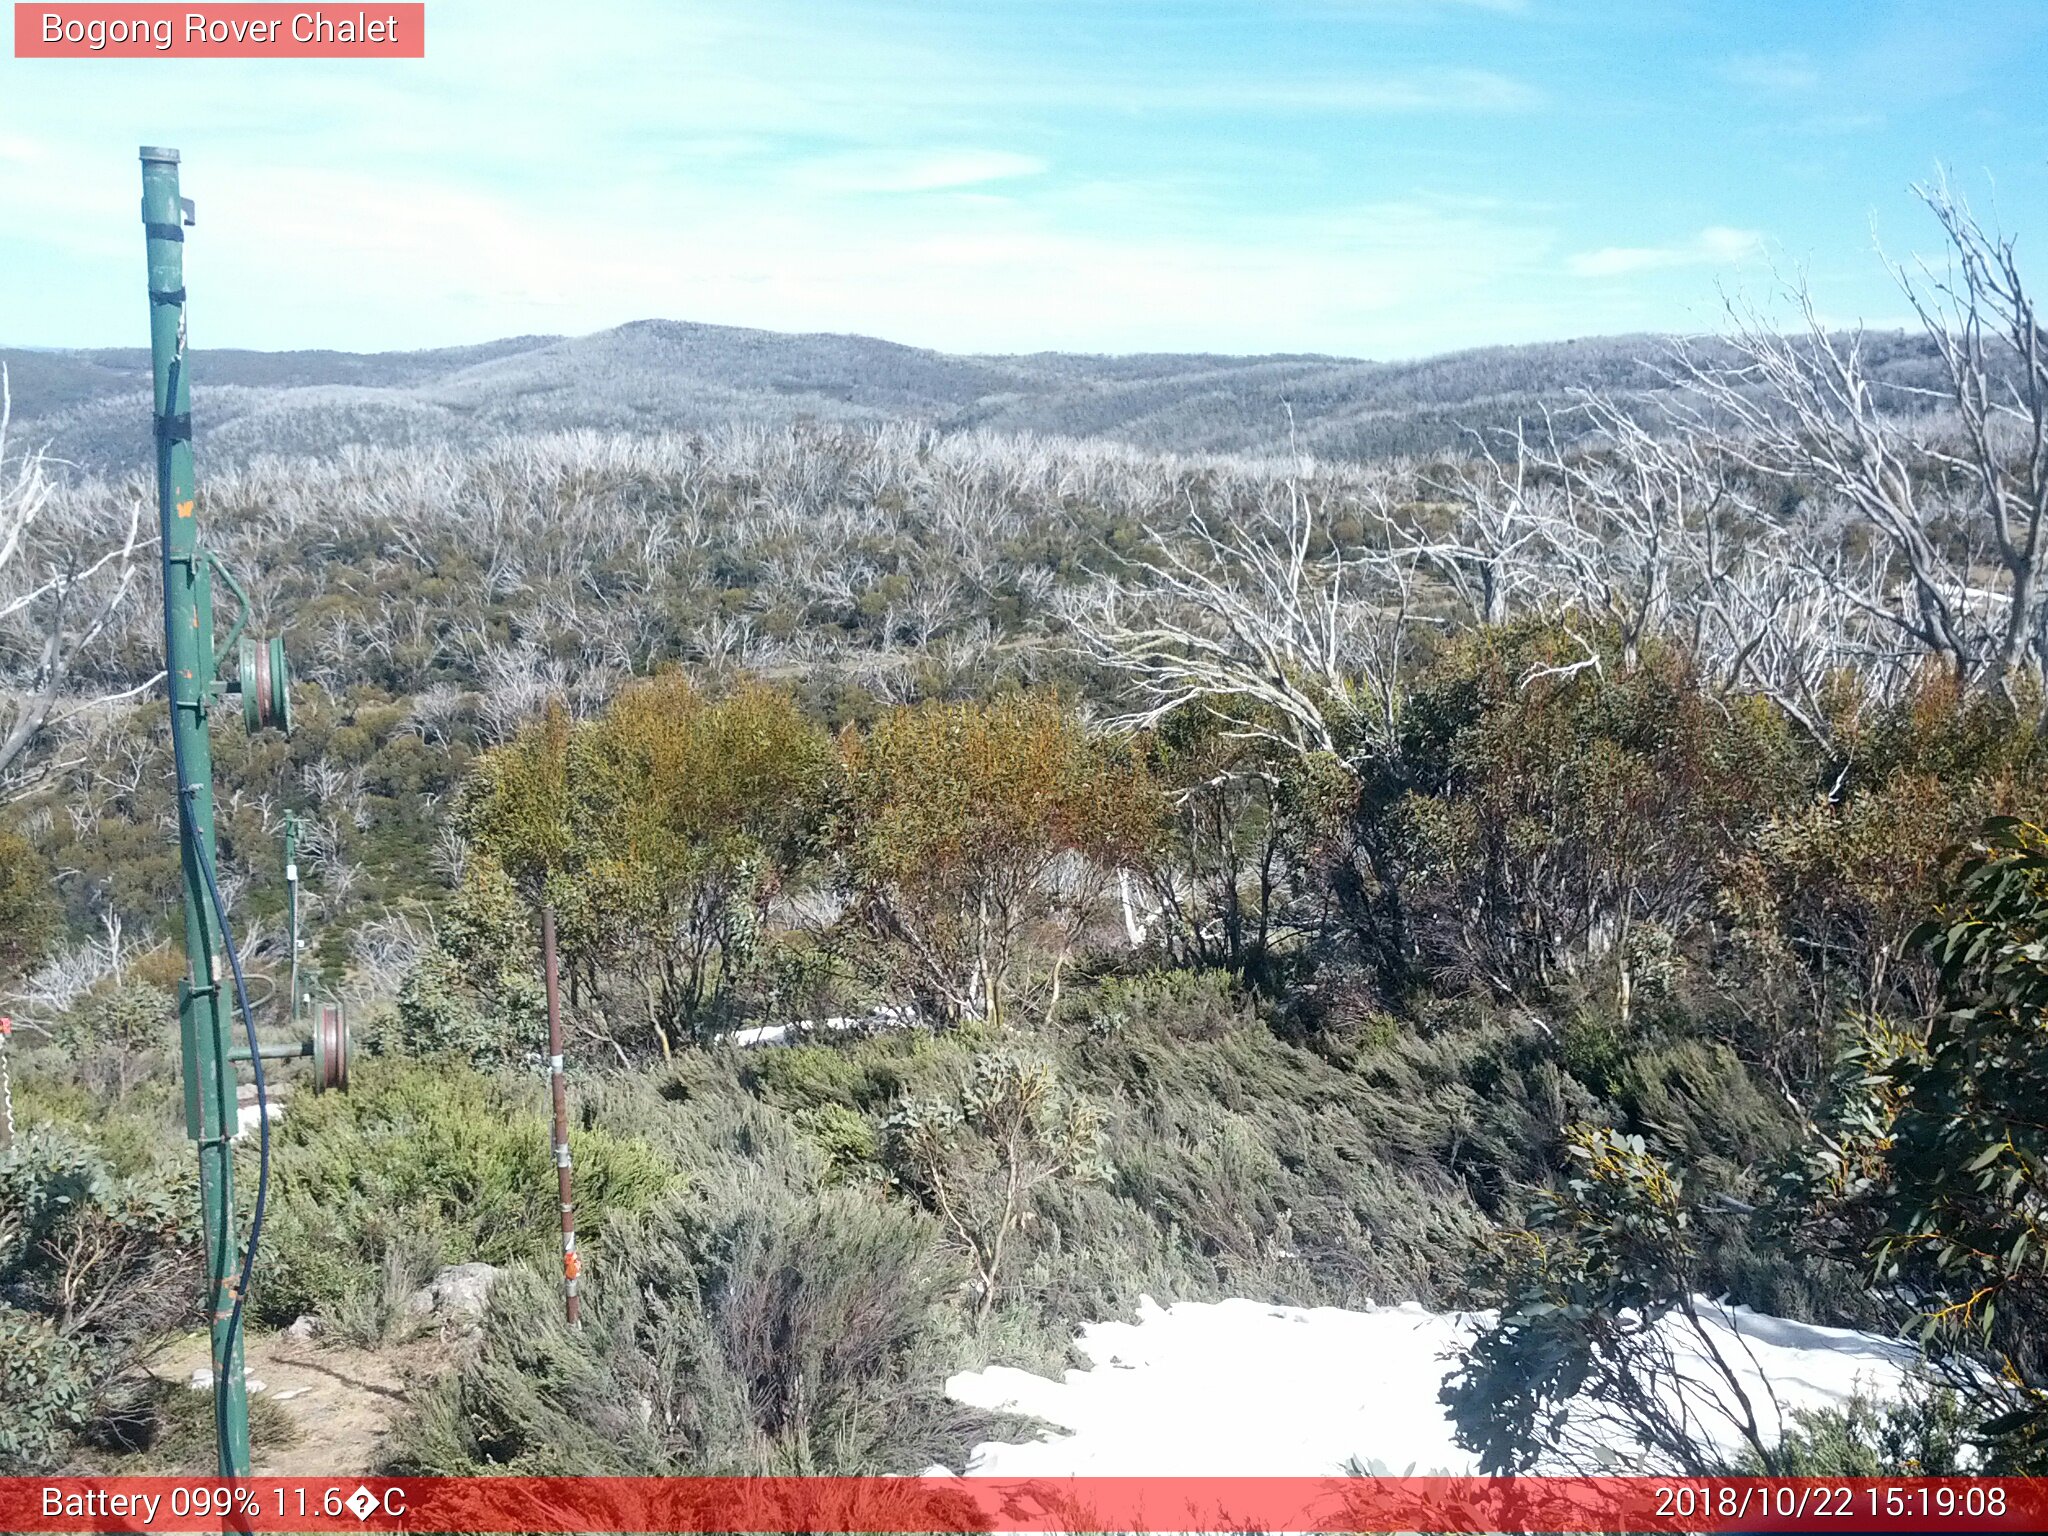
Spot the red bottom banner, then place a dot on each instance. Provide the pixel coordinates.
(969, 1504)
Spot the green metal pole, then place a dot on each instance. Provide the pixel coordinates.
(204, 1016)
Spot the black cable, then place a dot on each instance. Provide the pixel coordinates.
(203, 857)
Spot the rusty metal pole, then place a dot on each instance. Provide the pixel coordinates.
(559, 1087)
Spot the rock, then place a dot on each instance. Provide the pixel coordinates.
(305, 1326)
(460, 1292)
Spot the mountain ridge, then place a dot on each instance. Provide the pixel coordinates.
(90, 405)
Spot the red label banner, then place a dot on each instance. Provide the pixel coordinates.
(101, 31)
(1849, 1506)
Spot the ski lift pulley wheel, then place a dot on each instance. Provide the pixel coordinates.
(330, 1048)
(265, 684)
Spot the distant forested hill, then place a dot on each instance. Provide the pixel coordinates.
(91, 406)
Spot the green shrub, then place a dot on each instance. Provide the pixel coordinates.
(1193, 1004)
(476, 992)
(432, 1155)
(1701, 1103)
(851, 1144)
(29, 919)
(979, 1155)
(95, 1268)
(105, 1258)
(1924, 1434)
(810, 1077)
(47, 1386)
(753, 1329)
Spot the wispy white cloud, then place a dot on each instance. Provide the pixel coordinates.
(1394, 278)
(1788, 73)
(1717, 245)
(1417, 91)
(930, 171)
(1501, 7)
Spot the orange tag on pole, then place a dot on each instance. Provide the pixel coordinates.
(572, 1265)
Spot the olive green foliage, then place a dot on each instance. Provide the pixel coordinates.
(121, 1035)
(969, 845)
(1547, 811)
(29, 917)
(94, 1267)
(1924, 1434)
(978, 1155)
(1962, 1117)
(1832, 887)
(765, 1325)
(1228, 1161)
(1283, 1173)
(1227, 873)
(476, 991)
(1577, 1365)
(421, 1164)
(47, 1389)
(662, 832)
(977, 841)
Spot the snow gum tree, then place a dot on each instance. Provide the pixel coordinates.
(1602, 1347)
(978, 841)
(662, 831)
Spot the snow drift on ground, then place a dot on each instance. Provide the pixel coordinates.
(1240, 1388)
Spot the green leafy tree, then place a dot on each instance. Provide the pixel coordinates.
(978, 841)
(476, 991)
(663, 832)
(1553, 800)
(1965, 1180)
(1240, 818)
(1602, 1354)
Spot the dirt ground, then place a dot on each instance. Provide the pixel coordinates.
(341, 1402)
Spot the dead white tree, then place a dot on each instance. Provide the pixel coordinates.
(1952, 482)
(59, 591)
(1486, 556)
(1266, 622)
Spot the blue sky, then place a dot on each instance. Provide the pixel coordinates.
(1382, 178)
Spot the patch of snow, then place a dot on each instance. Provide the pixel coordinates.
(761, 1034)
(1241, 1388)
(779, 1034)
(247, 1114)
